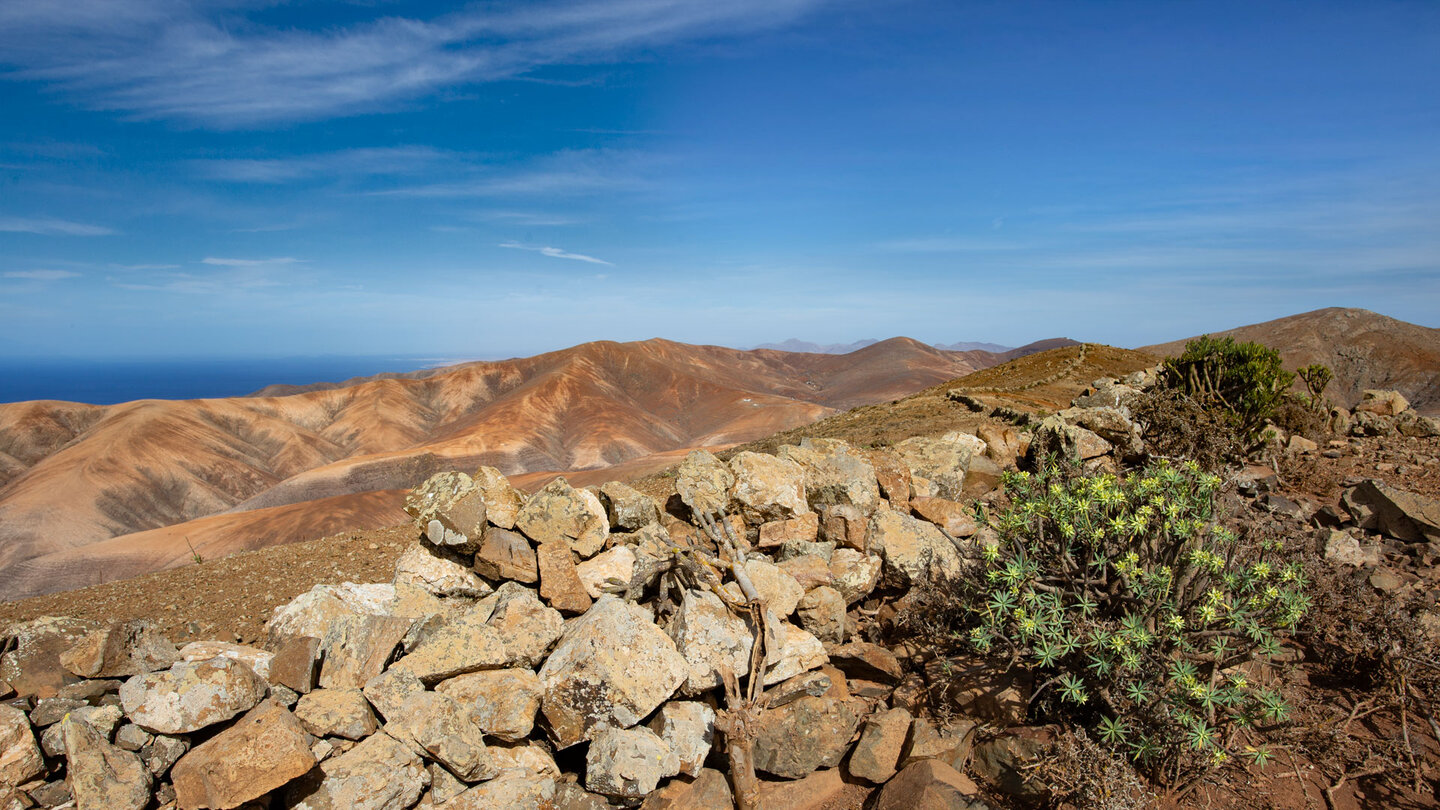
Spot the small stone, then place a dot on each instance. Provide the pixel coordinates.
(132, 738)
(608, 568)
(938, 465)
(776, 533)
(262, 751)
(312, 612)
(819, 790)
(20, 757)
(297, 663)
(877, 753)
(119, 651)
(835, 473)
(815, 684)
(796, 651)
(49, 711)
(709, 791)
(950, 744)
(257, 659)
(688, 729)
(822, 613)
(561, 514)
(103, 719)
(560, 583)
(779, 591)
(855, 574)
(628, 763)
(506, 555)
(627, 509)
(337, 713)
(532, 758)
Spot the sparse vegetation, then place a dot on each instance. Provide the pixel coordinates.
(1242, 381)
(1138, 611)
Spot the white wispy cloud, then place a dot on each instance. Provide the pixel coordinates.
(209, 63)
(40, 275)
(373, 161)
(555, 253)
(570, 172)
(53, 227)
(148, 266)
(223, 262)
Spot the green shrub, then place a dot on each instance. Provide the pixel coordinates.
(1244, 381)
(1134, 608)
(1316, 376)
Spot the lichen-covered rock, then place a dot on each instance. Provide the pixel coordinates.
(20, 758)
(511, 789)
(562, 514)
(709, 637)
(855, 573)
(262, 751)
(311, 613)
(500, 702)
(835, 474)
(356, 648)
(805, 735)
(502, 501)
(32, 665)
(425, 502)
(337, 713)
(380, 773)
(191, 695)
(688, 728)
(777, 589)
(767, 487)
(608, 567)
(628, 763)
(103, 719)
(913, 551)
(436, 727)
(389, 690)
(703, 482)
(611, 669)
(101, 776)
(822, 613)
(628, 509)
(937, 467)
(464, 644)
(438, 573)
(525, 756)
(776, 533)
(796, 651)
(119, 651)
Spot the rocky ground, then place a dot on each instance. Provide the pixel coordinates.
(613, 646)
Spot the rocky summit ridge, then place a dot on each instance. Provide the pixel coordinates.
(595, 647)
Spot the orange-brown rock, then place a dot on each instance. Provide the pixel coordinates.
(262, 751)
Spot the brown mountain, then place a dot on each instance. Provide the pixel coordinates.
(1363, 348)
(89, 493)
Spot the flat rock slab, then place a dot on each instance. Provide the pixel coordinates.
(262, 751)
(357, 648)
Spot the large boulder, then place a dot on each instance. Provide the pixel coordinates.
(502, 501)
(606, 569)
(463, 644)
(525, 625)
(336, 713)
(380, 773)
(767, 487)
(562, 514)
(835, 474)
(506, 555)
(877, 754)
(102, 776)
(257, 659)
(450, 510)
(119, 651)
(688, 728)
(356, 648)
(914, 551)
(611, 669)
(854, 573)
(1382, 403)
(262, 751)
(311, 613)
(191, 695)
(938, 465)
(930, 784)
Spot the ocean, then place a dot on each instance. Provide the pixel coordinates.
(110, 381)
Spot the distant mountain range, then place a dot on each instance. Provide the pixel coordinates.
(90, 493)
(797, 345)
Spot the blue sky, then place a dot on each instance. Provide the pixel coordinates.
(234, 177)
